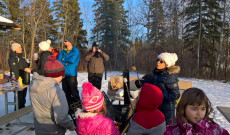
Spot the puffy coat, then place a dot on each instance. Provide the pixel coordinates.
(94, 124)
(70, 61)
(50, 106)
(41, 62)
(17, 64)
(204, 127)
(96, 62)
(167, 81)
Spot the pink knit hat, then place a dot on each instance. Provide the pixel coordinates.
(92, 98)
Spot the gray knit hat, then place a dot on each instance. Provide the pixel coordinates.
(68, 38)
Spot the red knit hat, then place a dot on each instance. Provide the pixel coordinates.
(54, 68)
(92, 98)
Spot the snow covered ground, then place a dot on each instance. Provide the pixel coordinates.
(218, 93)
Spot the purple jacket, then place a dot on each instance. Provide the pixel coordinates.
(204, 127)
(94, 124)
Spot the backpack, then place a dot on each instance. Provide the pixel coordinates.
(55, 52)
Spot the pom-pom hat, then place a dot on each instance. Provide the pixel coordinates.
(92, 98)
(15, 46)
(44, 45)
(54, 68)
(169, 58)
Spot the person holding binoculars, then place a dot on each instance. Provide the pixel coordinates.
(96, 67)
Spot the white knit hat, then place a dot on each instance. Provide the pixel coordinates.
(169, 58)
(44, 45)
(15, 46)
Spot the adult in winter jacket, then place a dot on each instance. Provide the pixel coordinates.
(193, 116)
(91, 120)
(165, 76)
(44, 48)
(48, 101)
(96, 67)
(69, 57)
(17, 65)
(148, 120)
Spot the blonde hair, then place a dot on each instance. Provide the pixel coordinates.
(102, 111)
(193, 96)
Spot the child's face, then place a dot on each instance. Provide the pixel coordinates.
(195, 113)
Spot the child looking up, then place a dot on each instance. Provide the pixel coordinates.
(91, 120)
(193, 116)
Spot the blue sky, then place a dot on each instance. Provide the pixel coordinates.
(88, 16)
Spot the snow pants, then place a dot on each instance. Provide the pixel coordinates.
(69, 86)
(95, 79)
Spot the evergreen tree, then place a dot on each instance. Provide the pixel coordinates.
(111, 29)
(157, 23)
(68, 20)
(202, 30)
(2, 8)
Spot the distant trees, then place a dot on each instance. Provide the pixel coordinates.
(111, 30)
(131, 32)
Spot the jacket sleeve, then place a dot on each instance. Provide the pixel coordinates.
(112, 129)
(41, 64)
(72, 59)
(105, 56)
(89, 55)
(14, 67)
(171, 92)
(60, 56)
(60, 109)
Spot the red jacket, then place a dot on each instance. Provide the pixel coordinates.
(148, 115)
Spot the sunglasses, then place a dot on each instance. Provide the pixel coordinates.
(161, 61)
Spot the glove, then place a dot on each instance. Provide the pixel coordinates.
(138, 83)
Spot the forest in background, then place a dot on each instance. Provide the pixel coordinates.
(197, 31)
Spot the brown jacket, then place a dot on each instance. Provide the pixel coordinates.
(96, 63)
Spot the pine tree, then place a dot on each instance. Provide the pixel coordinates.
(111, 29)
(2, 8)
(69, 21)
(157, 23)
(202, 31)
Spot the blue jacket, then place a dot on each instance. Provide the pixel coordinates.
(70, 61)
(167, 81)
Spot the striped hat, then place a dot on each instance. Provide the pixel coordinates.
(92, 98)
(54, 68)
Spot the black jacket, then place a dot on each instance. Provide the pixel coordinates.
(41, 62)
(17, 64)
(167, 81)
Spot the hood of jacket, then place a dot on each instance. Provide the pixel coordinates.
(150, 97)
(41, 83)
(169, 70)
(173, 70)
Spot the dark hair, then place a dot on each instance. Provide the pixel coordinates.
(193, 96)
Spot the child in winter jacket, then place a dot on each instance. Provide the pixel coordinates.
(48, 100)
(192, 116)
(91, 120)
(148, 120)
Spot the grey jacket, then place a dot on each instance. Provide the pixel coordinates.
(49, 106)
(96, 62)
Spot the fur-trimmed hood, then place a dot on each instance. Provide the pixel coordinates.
(173, 70)
(94, 124)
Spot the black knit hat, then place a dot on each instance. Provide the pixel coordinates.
(54, 68)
